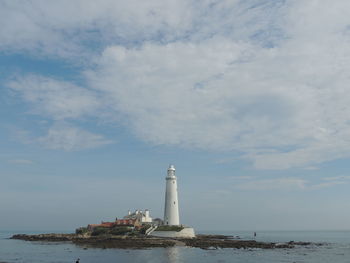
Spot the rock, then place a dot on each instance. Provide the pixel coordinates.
(201, 241)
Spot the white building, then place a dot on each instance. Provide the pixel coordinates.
(171, 210)
(143, 217)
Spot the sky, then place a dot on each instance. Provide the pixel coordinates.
(249, 99)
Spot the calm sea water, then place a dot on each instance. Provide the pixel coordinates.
(336, 250)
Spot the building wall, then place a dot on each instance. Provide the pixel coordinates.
(187, 232)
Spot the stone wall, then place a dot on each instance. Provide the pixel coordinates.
(187, 232)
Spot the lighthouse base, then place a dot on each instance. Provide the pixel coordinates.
(187, 232)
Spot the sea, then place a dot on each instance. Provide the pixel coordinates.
(335, 249)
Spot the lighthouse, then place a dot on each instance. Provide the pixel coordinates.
(171, 210)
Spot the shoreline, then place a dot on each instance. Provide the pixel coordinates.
(143, 242)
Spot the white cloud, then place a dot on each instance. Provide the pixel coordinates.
(69, 138)
(289, 183)
(337, 178)
(175, 94)
(327, 184)
(67, 29)
(60, 101)
(266, 79)
(63, 28)
(332, 181)
(274, 184)
(212, 95)
(56, 99)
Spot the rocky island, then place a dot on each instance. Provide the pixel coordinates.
(140, 230)
(142, 242)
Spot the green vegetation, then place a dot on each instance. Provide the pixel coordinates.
(170, 228)
(81, 230)
(99, 231)
(119, 230)
(115, 230)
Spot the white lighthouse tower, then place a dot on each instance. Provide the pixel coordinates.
(171, 210)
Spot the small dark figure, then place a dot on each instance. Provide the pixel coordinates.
(78, 260)
(254, 234)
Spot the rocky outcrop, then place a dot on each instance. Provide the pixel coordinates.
(107, 241)
(45, 237)
(208, 242)
(201, 241)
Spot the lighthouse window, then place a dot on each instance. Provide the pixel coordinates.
(173, 182)
(174, 202)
